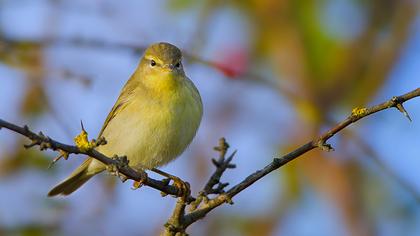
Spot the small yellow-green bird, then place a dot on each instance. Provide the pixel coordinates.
(153, 121)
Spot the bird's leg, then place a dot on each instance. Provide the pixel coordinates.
(184, 187)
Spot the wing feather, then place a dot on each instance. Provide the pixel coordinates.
(122, 101)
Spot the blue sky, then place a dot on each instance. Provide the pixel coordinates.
(254, 133)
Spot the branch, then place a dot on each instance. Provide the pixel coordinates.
(179, 221)
(321, 141)
(221, 165)
(45, 142)
(357, 114)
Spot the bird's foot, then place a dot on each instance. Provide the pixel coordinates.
(183, 187)
(114, 169)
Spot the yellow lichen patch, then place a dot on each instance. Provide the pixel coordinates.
(82, 141)
(359, 111)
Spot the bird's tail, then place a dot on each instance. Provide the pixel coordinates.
(81, 175)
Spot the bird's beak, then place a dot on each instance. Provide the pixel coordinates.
(171, 66)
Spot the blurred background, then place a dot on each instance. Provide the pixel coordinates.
(273, 74)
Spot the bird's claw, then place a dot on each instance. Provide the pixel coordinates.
(183, 187)
(140, 183)
(114, 169)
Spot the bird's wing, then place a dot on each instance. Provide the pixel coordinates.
(122, 102)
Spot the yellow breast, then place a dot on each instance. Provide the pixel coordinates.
(156, 126)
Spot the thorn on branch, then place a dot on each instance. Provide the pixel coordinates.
(229, 159)
(63, 154)
(399, 105)
(82, 141)
(401, 108)
(81, 125)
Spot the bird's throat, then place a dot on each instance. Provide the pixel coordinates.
(165, 84)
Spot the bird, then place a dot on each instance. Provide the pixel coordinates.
(154, 119)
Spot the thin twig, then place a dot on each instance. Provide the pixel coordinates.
(221, 164)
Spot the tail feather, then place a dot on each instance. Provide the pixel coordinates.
(80, 176)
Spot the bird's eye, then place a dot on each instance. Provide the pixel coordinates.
(178, 65)
(152, 63)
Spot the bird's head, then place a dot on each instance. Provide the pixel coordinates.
(162, 58)
(161, 67)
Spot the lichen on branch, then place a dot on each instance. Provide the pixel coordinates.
(82, 142)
